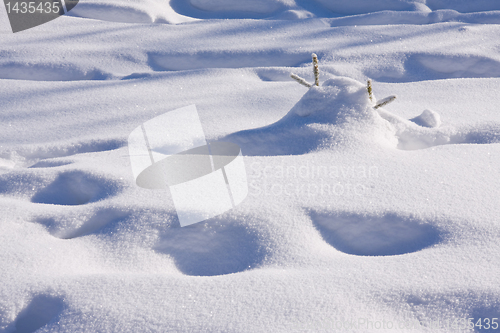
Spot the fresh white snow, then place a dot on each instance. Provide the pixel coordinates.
(356, 220)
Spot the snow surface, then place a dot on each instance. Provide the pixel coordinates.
(355, 217)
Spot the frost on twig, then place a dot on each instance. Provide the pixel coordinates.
(316, 74)
(370, 90)
(300, 80)
(315, 69)
(384, 101)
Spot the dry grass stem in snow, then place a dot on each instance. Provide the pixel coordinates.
(370, 91)
(316, 69)
(385, 101)
(300, 80)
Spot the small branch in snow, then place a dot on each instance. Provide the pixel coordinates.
(315, 69)
(370, 90)
(300, 80)
(384, 101)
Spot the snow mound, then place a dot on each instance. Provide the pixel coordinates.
(294, 14)
(256, 6)
(367, 6)
(336, 114)
(426, 6)
(415, 17)
(428, 118)
(457, 66)
(423, 131)
(464, 6)
(339, 115)
(129, 11)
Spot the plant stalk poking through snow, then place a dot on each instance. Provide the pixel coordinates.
(300, 80)
(303, 82)
(370, 91)
(384, 101)
(316, 69)
(316, 74)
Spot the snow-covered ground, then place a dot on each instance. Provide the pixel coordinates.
(357, 219)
